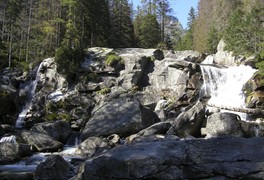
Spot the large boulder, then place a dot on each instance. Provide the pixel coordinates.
(122, 116)
(223, 124)
(170, 159)
(41, 142)
(226, 58)
(59, 130)
(13, 151)
(54, 167)
(135, 67)
(48, 78)
(174, 79)
(188, 122)
(93, 146)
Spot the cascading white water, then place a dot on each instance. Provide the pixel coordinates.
(224, 85)
(31, 88)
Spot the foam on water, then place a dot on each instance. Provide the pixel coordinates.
(224, 85)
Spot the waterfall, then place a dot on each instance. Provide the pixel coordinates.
(224, 85)
(31, 88)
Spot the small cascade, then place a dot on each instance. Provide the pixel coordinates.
(72, 144)
(224, 85)
(31, 88)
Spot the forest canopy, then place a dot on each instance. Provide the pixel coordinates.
(31, 30)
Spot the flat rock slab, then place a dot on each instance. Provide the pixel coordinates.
(170, 159)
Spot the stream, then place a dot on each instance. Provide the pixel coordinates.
(223, 85)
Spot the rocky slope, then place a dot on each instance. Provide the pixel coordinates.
(140, 116)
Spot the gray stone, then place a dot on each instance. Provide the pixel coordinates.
(41, 142)
(169, 159)
(54, 167)
(16, 175)
(135, 67)
(49, 80)
(223, 124)
(13, 151)
(188, 55)
(92, 146)
(253, 128)
(59, 130)
(226, 58)
(122, 116)
(157, 128)
(171, 78)
(114, 139)
(189, 122)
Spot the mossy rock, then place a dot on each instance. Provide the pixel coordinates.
(104, 91)
(57, 116)
(55, 106)
(90, 77)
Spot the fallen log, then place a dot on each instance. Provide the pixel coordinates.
(255, 112)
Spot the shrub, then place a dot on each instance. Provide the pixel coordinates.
(113, 59)
(68, 60)
(104, 91)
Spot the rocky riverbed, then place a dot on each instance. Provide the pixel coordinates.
(141, 116)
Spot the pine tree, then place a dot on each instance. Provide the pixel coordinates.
(121, 24)
(186, 42)
(212, 40)
(148, 31)
(245, 34)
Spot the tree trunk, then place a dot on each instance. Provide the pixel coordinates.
(243, 110)
(3, 26)
(29, 27)
(10, 47)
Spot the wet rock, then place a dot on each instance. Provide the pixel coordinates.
(54, 167)
(5, 128)
(59, 130)
(122, 116)
(9, 139)
(16, 175)
(188, 122)
(170, 159)
(13, 151)
(223, 124)
(253, 128)
(93, 146)
(41, 142)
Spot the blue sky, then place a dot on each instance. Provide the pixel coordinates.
(181, 8)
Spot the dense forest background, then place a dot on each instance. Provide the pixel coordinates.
(31, 30)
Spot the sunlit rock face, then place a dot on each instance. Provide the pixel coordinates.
(49, 79)
(122, 116)
(146, 116)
